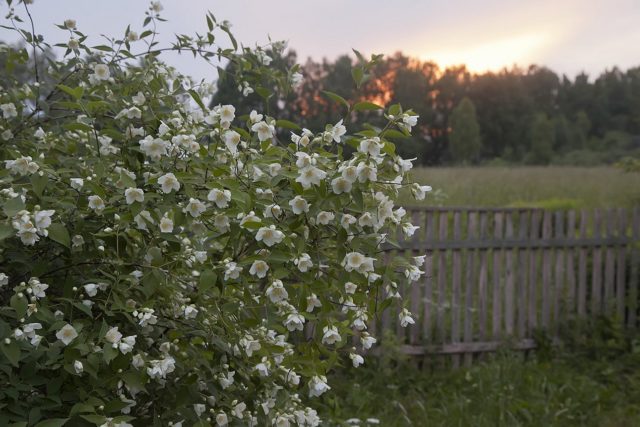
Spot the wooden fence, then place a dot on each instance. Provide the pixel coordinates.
(494, 276)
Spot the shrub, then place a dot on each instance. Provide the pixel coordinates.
(163, 262)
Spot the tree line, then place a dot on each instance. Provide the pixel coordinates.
(518, 115)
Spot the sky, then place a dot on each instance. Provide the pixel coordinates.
(568, 36)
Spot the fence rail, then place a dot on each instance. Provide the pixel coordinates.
(495, 276)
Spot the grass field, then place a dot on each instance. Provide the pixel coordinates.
(555, 187)
(594, 380)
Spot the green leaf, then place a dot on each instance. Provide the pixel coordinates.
(358, 75)
(77, 126)
(13, 206)
(74, 92)
(19, 304)
(366, 106)
(197, 98)
(103, 48)
(287, 125)
(53, 422)
(335, 97)
(208, 280)
(39, 183)
(95, 419)
(6, 231)
(11, 351)
(59, 233)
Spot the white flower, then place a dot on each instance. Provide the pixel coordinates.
(142, 219)
(341, 185)
(126, 344)
(101, 72)
(73, 43)
(139, 98)
(303, 262)
(220, 197)
(169, 182)
(227, 114)
(39, 133)
(190, 312)
(8, 110)
(76, 183)
(356, 359)
(353, 261)
(312, 302)
(166, 225)
(222, 419)
(350, 288)
(42, 221)
(23, 165)
(294, 322)
(231, 140)
(366, 172)
(156, 6)
(299, 205)
(337, 131)
(96, 203)
(276, 292)
(134, 195)
(409, 229)
(367, 340)
(113, 336)
(269, 235)
(318, 385)
(310, 175)
(232, 270)
(239, 409)
(371, 146)
(259, 268)
(195, 207)
(409, 121)
(160, 368)
(420, 191)
(70, 24)
(132, 36)
(91, 289)
(264, 130)
(4, 280)
(330, 335)
(296, 79)
(154, 147)
(324, 217)
(405, 318)
(347, 220)
(78, 367)
(67, 334)
(274, 168)
(413, 273)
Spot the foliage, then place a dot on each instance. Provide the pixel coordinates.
(464, 139)
(164, 262)
(592, 380)
(583, 110)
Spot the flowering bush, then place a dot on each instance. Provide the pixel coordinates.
(162, 262)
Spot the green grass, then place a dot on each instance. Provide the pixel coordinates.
(555, 187)
(594, 380)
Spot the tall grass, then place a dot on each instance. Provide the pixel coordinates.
(554, 187)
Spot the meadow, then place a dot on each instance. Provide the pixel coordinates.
(555, 187)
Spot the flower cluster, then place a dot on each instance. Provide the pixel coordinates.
(167, 262)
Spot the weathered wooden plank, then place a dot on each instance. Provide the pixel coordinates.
(442, 276)
(470, 286)
(509, 300)
(609, 266)
(496, 305)
(470, 208)
(558, 296)
(482, 282)
(621, 265)
(416, 288)
(516, 243)
(582, 266)
(571, 274)
(521, 290)
(455, 284)
(428, 281)
(474, 347)
(533, 271)
(546, 272)
(632, 315)
(596, 271)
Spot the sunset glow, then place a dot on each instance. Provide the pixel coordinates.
(495, 54)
